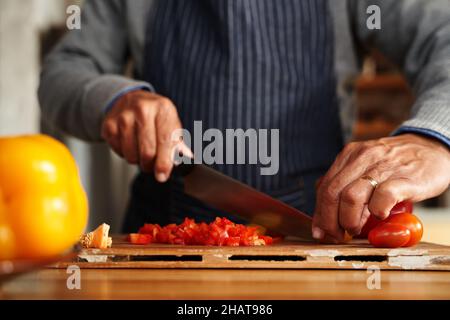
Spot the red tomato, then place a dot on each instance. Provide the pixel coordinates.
(412, 223)
(372, 222)
(221, 232)
(389, 235)
(404, 206)
(138, 238)
(232, 241)
(267, 239)
(152, 229)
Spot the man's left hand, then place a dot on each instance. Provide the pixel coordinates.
(371, 177)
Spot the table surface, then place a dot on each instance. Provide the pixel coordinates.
(227, 284)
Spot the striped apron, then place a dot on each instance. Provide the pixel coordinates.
(231, 64)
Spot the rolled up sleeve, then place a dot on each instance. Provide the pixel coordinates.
(415, 34)
(84, 73)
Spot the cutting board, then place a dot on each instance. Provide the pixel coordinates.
(357, 254)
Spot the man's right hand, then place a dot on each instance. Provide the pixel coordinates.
(139, 128)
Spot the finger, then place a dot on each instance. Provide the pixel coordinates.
(326, 217)
(146, 134)
(352, 204)
(364, 157)
(325, 221)
(364, 217)
(166, 123)
(391, 192)
(128, 139)
(110, 132)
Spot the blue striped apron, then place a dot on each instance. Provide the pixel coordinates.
(231, 64)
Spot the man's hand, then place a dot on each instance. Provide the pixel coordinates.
(139, 128)
(406, 167)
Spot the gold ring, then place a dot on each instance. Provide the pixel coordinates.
(372, 181)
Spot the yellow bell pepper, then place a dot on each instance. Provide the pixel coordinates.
(43, 207)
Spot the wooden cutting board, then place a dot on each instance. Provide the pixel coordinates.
(357, 254)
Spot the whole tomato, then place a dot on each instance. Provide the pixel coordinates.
(389, 235)
(412, 223)
(404, 206)
(372, 222)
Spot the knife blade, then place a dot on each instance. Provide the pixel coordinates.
(238, 199)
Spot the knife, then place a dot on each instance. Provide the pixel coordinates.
(238, 199)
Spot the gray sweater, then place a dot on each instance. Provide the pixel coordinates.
(85, 72)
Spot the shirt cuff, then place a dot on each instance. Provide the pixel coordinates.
(98, 94)
(426, 132)
(123, 92)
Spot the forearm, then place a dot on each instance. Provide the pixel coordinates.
(75, 101)
(84, 72)
(415, 34)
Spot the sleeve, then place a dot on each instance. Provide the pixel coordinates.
(83, 75)
(414, 34)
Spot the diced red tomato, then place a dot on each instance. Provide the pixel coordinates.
(137, 238)
(221, 232)
(267, 239)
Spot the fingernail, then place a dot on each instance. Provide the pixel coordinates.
(161, 177)
(317, 233)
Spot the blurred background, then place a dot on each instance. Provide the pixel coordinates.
(30, 28)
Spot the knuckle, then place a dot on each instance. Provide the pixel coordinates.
(148, 153)
(373, 150)
(164, 138)
(378, 150)
(109, 129)
(329, 195)
(142, 111)
(352, 196)
(378, 212)
(351, 146)
(124, 120)
(387, 193)
(165, 102)
(364, 149)
(167, 109)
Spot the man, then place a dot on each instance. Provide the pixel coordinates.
(257, 64)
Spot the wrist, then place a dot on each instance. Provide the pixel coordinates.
(122, 95)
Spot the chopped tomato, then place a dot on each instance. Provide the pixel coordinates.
(221, 232)
(138, 238)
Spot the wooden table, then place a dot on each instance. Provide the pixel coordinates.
(227, 284)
